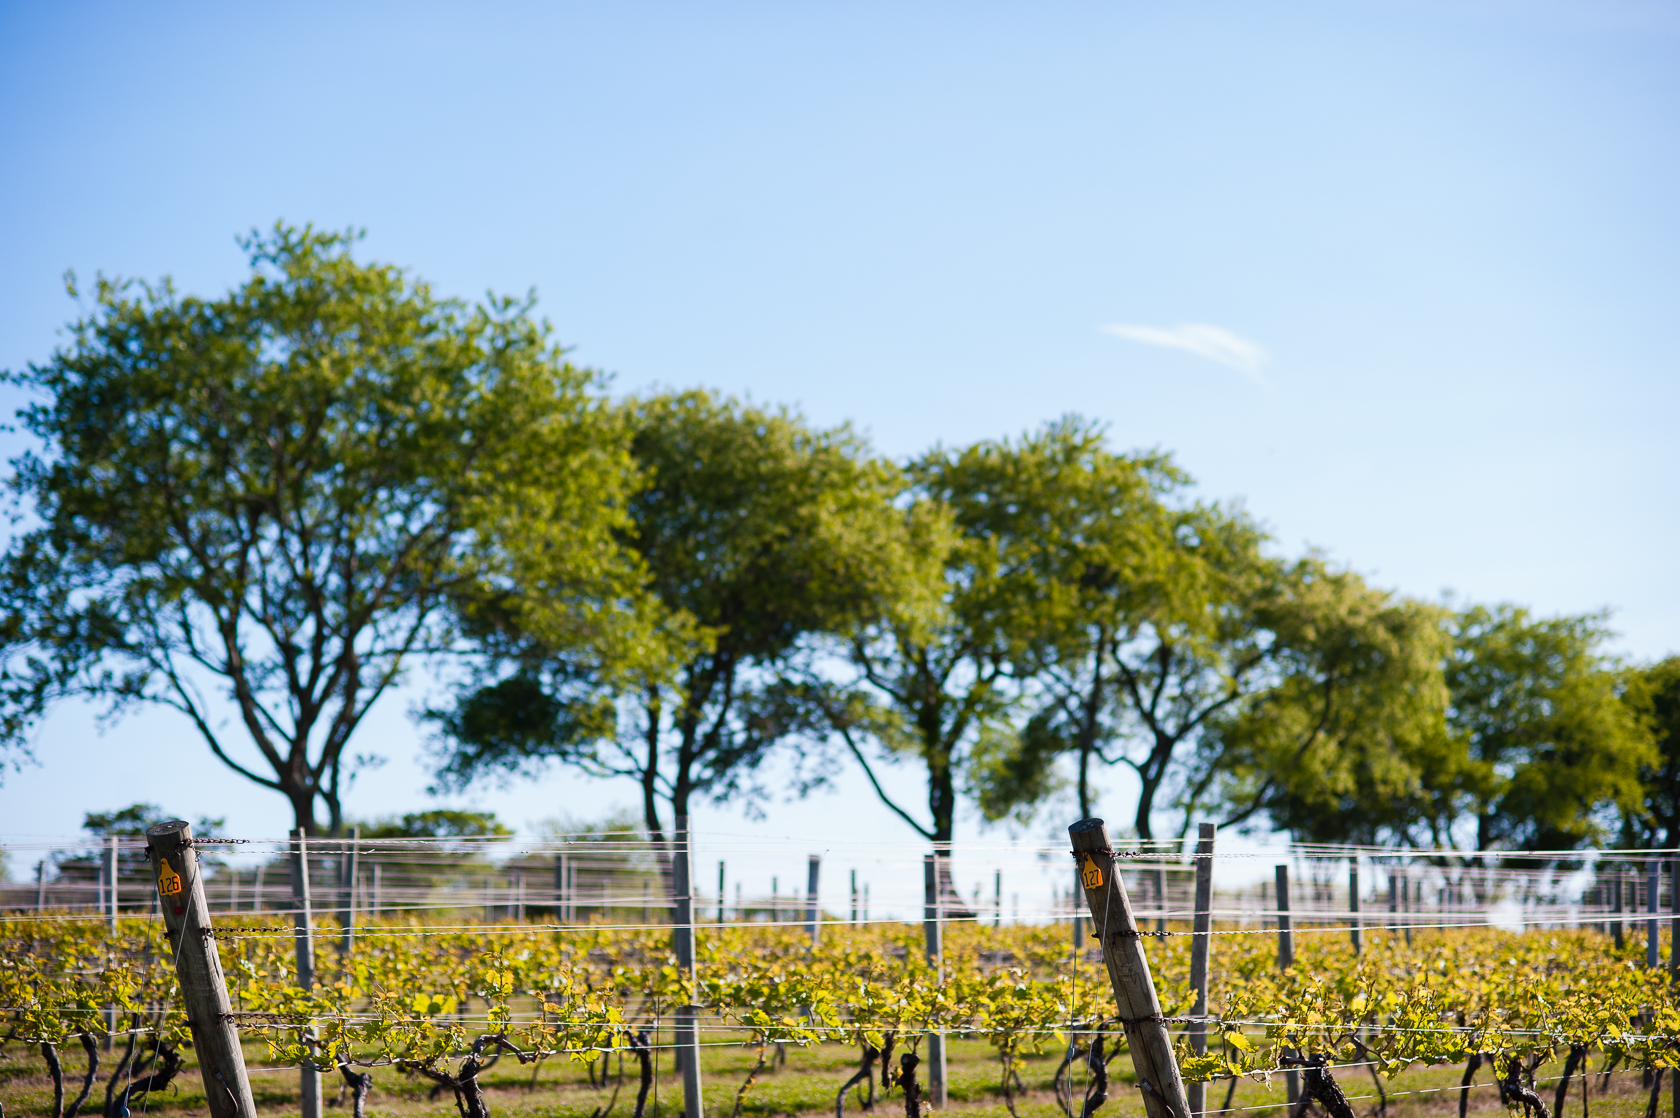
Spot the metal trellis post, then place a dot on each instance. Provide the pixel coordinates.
(1353, 903)
(682, 935)
(1286, 959)
(348, 867)
(813, 913)
(1653, 887)
(932, 931)
(1201, 929)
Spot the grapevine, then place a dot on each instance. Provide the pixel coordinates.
(444, 1004)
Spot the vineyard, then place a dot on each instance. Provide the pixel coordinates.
(410, 1009)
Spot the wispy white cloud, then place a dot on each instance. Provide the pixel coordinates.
(1215, 343)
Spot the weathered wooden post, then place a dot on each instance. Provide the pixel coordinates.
(1201, 935)
(1286, 959)
(854, 897)
(813, 913)
(682, 935)
(932, 932)
(348, 867)
(303, 940)
(997, 899)
(1353, 903)
(198, 966)
(41, 885)
(1128, 972)
(721, 880)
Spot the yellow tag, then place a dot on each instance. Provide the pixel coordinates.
(1090, 874)
(169, 882)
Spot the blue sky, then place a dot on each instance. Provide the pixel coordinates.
(1402, 277)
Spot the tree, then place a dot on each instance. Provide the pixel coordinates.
(1349, 741)
(755, 532)
(923, 674)
(1653, 695)
(1079, 544)
(1554, 752)
(1126, 622)
(270, 499)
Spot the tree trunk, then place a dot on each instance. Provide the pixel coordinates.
(1145, 807)
(1085, 811)
(303, 807)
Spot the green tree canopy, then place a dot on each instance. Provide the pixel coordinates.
(1348, 737)
(755, 531)
(1554, 753)
(1131, 627)
(1653, 694)
(267, 501)
(922, 674)
(1071, 545)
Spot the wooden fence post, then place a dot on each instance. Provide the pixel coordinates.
(41, 885)
(813, 912)
(1202, 934)
(303, 940)
(682, 935)
(722, 881)
(198, 965)
(1353, 903)
(933, 935)
(1128, 972)
(1286, 959)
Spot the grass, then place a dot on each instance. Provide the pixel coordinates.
(805, 1085)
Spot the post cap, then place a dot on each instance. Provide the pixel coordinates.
(1084, 825)
(169, 827)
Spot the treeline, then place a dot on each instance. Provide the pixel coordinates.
(260, 510)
